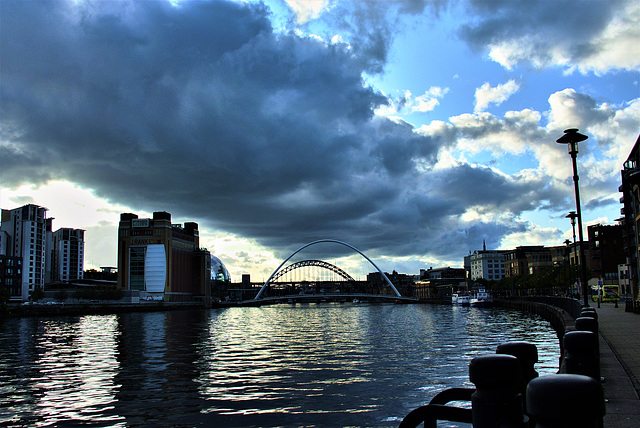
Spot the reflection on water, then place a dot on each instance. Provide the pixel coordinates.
(285, 365)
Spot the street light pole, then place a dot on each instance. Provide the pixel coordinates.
(572, 216)
(568, 264)
(571, 138)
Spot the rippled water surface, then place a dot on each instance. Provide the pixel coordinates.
(285, 365)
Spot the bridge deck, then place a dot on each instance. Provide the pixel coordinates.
(327, 297)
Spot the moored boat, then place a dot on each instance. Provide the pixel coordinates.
(481, 299)
(461, 299)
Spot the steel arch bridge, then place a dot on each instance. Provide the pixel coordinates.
(317, 263)
(389, 283)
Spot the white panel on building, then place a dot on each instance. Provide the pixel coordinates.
(155, 268)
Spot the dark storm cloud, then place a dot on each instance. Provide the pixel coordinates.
(571, 24)
(601, 202)
(204, 111)
(483, 187)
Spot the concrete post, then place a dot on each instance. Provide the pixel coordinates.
(497, 401)
(565, 401)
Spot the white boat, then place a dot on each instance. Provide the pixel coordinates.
(481, 299)
(461, 299)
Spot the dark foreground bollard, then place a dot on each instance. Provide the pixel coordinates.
(527, 354)
(590, 324)
(582, 355)
(587, 324)
(497, 401)
(565, 401)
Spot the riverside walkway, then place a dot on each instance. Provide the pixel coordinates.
(620, 365)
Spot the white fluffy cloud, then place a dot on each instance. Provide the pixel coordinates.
(591, 36)
(488, 94)
(307, 10)
(427, 101)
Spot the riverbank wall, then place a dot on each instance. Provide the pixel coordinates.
(77, 309)
(560, 312)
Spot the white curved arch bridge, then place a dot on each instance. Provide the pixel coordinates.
(389, 292)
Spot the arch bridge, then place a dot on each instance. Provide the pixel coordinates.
(314, 263)
(335, 295)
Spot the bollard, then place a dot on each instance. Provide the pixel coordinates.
(497, 401)
(586, 313)
(582, 355)
(527, 355)
(587, 324)
(565, 401)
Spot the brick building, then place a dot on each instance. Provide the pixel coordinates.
(162, 261)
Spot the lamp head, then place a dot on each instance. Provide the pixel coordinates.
(572, 215)
(571, 138)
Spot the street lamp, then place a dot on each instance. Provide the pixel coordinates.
(572, 216)
(568, 264)
(571, 138)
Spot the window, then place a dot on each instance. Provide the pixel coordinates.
(136, 268)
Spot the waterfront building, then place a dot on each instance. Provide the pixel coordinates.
(162, 261)
(606, 252)
(11, 275)
(574, 253)
(467, 268)
(67, 255)
(219, 271)
(24, 235)
(487, 264)
(559, 255)
(439, 283)
(378, 285)
(527, 260)
(630, 189)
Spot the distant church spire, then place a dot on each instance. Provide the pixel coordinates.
(484, 245)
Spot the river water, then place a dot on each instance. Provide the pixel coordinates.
(327, 364)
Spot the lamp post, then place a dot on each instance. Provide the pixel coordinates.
(572, 216)
(571, 138)
(568, 263)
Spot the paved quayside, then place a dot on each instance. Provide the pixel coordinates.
(620, 365)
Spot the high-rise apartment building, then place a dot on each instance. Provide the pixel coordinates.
(67, 255)
(24, 233)
(162, 261)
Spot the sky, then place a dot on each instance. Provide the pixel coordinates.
(412, 130)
